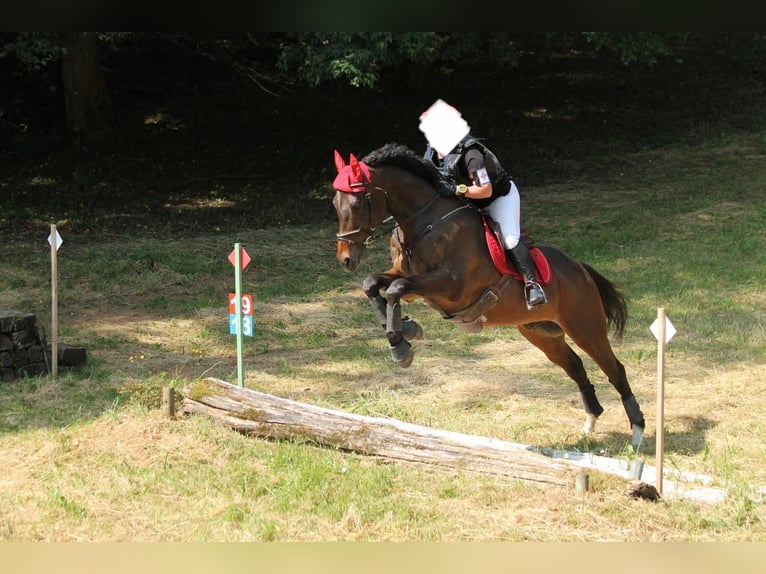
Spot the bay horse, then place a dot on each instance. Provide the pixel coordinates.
(439, 254)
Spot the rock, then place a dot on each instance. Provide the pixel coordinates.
(70, 356)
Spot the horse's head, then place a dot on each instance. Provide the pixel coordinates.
(391, 180)
(353, 204)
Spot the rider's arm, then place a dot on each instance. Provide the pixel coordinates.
(481, 184)
(478, 190)
(481, 187)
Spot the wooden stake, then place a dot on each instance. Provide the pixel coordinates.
(660, 432)
(54, 304)
(169, 402)
(581, 482)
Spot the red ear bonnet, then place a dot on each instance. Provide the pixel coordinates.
(356, 171)
(339, 163)
(351, 178)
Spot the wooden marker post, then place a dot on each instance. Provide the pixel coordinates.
(169, 402)
(660, 433)
(663, 329)
(55, 241)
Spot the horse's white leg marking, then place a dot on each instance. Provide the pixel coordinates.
(590, 424)
(638, 435)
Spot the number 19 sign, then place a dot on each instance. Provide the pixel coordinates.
(247, 314)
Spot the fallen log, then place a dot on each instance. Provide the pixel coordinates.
(270, 417)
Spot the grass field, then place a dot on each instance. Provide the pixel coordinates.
(88, 456)
(653, 176)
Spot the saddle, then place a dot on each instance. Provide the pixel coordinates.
(471, 319)
(497, 252)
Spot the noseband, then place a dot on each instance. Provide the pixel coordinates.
(369, 228)
(345, 236)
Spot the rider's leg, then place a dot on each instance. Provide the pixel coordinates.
(506, 211)
(523, 261)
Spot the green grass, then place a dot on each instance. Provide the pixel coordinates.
(88, 456)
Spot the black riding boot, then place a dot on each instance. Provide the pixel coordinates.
(521, 258)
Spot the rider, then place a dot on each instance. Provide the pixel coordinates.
(475, 173)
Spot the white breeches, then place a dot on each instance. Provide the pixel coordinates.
(506, 211)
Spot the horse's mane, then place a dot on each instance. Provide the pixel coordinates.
(398, 155)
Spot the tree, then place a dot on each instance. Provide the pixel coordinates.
(78, 54)
(313, 59)
(86, 98)
(359, 58)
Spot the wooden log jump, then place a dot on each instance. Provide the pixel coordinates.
(271, 417)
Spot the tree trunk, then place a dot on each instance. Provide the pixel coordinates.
(272, 417)
(86, 97)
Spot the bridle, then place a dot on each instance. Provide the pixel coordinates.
(369, 228)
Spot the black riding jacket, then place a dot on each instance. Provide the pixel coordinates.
(468, 157)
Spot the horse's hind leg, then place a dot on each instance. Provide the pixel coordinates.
(601, 352)
(549, 338)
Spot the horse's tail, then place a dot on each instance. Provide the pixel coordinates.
(615, 306)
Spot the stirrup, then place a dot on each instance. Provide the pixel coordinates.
(528, 288)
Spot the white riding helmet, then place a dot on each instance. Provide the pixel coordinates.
(443, 126)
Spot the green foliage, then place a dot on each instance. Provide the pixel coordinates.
(361, 59)
(35, 50)
(147, 393)
(637, 47)
(69, 506)
(356, 58)
(648, 48)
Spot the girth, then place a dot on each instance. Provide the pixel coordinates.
(471, 319)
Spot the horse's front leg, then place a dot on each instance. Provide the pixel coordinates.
(428, 285)
(372, 286)
(389, 315)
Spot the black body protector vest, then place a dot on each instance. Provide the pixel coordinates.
(454, 170)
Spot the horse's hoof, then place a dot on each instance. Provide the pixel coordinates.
(402, 353)
(638, 436)
(411, 330)
(590, 424)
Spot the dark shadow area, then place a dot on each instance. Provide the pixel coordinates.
(195, 147)
(686, 442)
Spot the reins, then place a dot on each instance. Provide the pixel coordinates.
(407, 249)
(369, 229)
